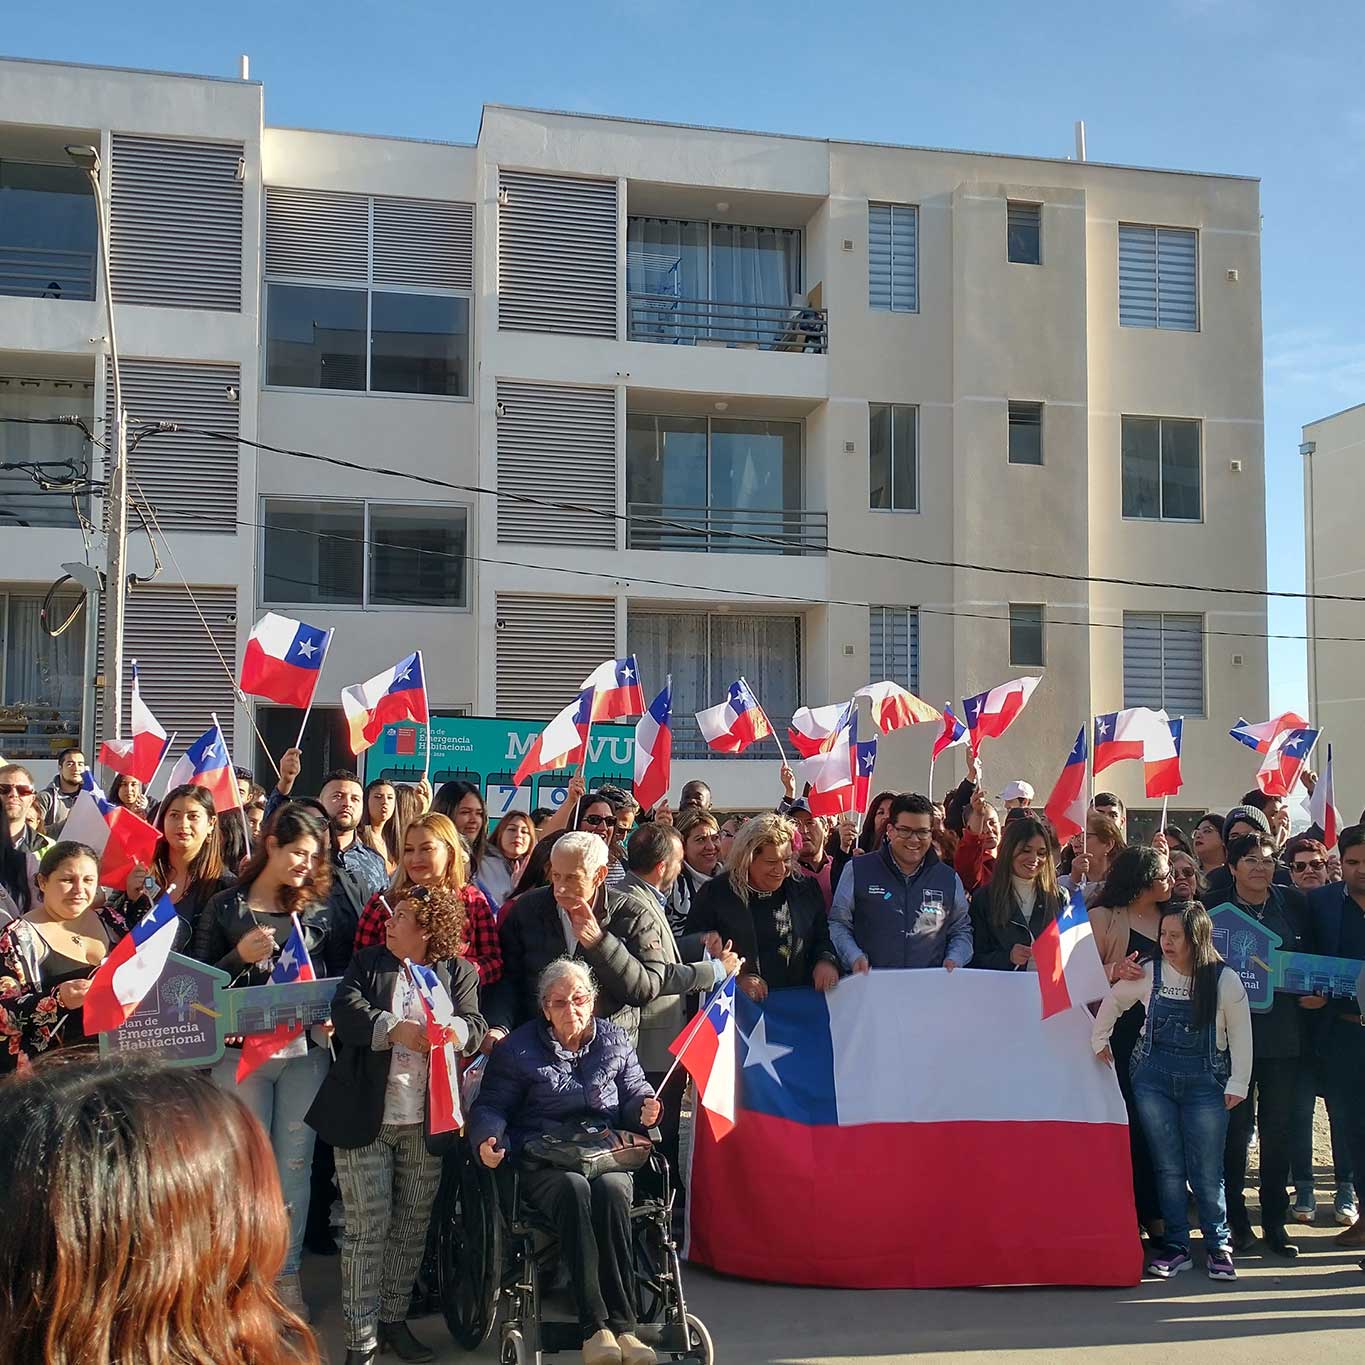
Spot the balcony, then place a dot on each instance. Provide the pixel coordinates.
(46, 273)
(48, 232)
(800, 326)
(726, 530)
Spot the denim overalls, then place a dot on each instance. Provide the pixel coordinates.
(1179, 1076)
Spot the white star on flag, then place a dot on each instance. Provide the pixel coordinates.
(404, 675)
(627, 674)
(307, 648)
(760, 1052)
(287, 959)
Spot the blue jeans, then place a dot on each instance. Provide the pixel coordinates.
(280, 1094)
(1186, 1123)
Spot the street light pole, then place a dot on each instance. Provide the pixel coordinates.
(116, 491)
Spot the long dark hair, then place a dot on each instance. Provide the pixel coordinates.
(867, 837)
(536, 873)
(1134, 871)
(1208, 965)
(116, 791)
(448, 798)
(146, 1220)
(293, 821)
(390, 835)
(1016, 834)
(208, 862)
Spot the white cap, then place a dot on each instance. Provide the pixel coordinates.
(1017, 791)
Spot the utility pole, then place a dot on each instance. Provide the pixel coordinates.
(110, 722)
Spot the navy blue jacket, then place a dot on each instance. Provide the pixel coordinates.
(1327, 907)
(533, 1085)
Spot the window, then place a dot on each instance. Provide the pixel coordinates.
(1158, 277)
(719, 478)
(316, 554)
(893, 645)
(893, 257)
(1026, 433)
(315, 338)
(42, 680)
(1161, 480)
(1163, 662)
(1026, 635)
(419, 343)
(705, 652)
(48, 231)
(1024, 233)
(893, 455)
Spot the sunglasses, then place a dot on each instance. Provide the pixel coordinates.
(599, 820)
(15, 789)
(1312, 865)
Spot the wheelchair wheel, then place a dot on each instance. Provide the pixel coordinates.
(699, 1344)
(514, 1349)
(470, 1251)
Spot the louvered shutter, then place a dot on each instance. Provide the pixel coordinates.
(556, 443)
(1137, 276)
(175, 210)
(557, 254)
(893, 645)
(1177, 276)
(317, 234)
(190, 480)
(182, 679)
(1142, 659)
(546, 646)
(893, 257)
(424, 242)
(1182, 649)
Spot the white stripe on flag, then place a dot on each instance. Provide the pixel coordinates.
(134, 978)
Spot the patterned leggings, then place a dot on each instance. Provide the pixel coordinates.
(387, 1189)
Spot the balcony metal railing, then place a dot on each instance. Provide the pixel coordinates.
(689, 744)
(46, 273)
(710, 322)
(726, 530)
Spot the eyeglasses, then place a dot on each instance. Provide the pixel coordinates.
(578, 999)
(902, 832)
(1259, 862)
(1312, 865)
(596, 820)
(15, 789)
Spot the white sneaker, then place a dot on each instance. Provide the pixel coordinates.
(634, 1351)
(601, 1349)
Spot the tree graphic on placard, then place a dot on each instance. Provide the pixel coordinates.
(1241, 945)
(180, 993)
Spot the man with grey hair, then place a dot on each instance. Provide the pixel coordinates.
(578, 916)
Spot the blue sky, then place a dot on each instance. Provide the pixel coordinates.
(1255, 87)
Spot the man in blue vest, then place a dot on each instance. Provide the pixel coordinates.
(901, 905)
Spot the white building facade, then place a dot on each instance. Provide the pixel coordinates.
(809, 411)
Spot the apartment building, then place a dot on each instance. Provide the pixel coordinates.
(808, 411)
(1335, 565)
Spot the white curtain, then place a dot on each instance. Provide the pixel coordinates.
(754, 265)
(666, 256)
(40, 671)
(674, 642)
(22, 503)
(766, 651)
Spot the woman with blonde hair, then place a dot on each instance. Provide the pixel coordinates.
(433, 856)
(147, 1224)
(774, 917)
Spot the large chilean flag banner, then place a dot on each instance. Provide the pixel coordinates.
(917, 1130)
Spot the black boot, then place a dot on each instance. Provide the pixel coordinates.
(1243, 1238)
(398, 1338)
(1278, 1241)
(366, 1356)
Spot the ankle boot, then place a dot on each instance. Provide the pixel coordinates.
(398, 1338)
(1278, 1241)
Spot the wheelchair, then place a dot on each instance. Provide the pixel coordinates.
(496, 1262)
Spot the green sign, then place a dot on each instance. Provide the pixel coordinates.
(487, 752)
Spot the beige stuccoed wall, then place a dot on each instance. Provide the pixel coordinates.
(1336, 565)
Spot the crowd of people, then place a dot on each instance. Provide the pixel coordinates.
(574, 944)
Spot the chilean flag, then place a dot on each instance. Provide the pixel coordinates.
(834, 1108)
(1140, 732)
(444, 1114)
(283, 660)
(813, 729)
(831, 776)
(1322, 807)
(1263, 734)
(866, 761)
(1070, 971)
(654, 749)
(398, 693)
(562, 742)
(953, 733)
(616, 689)
(706, 1050)
(990, 714)
(120, 839)
(1161, 768)
(140, 756)
(1066, 806)
(133, 967)
(284, 1040)
(207, 763)
(894, 707)
(1284, 761)
(736, 723)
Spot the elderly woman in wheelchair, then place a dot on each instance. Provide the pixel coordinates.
(552, 1086)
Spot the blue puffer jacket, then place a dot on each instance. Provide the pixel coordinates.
(532, 1084)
